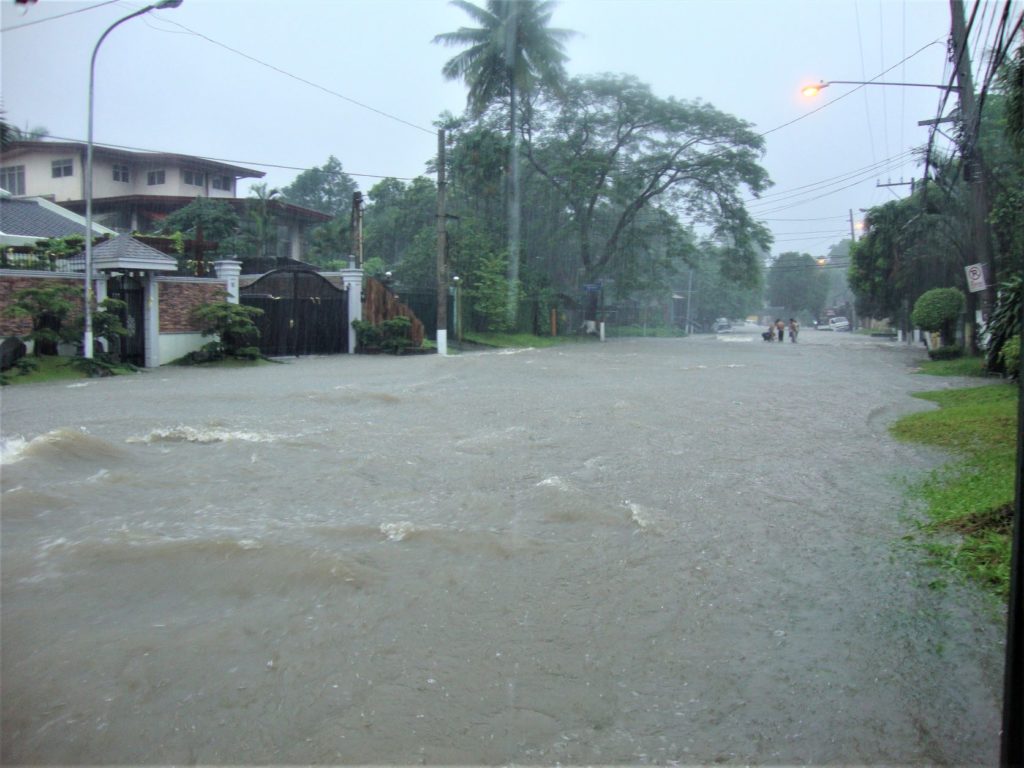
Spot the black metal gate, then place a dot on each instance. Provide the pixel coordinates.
(303, 314)
(130, 348)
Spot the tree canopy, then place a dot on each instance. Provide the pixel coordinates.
(326, 188)
(797, 282)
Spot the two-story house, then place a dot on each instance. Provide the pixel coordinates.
(135, 191)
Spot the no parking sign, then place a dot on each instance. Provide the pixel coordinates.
(975, 277)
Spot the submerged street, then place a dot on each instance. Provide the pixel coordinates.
(665, 551)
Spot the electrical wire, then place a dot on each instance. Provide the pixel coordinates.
(297, 78)
(234, 162)
(864, 76)
(57, 16)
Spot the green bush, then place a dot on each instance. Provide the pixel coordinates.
(390, 336)
(938, 310)
(1011, 357)
(233, 324)
(1004, 323)
(49, 308)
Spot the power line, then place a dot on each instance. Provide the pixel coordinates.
(850, 92)
(234, 162)
(58, 16)
(298, 78)
(775, 197)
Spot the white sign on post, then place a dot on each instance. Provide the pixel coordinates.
(975, 277)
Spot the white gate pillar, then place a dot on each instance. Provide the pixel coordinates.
(352, 278)
(229, 270)
(151, 319)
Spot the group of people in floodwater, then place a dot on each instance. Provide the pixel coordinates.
(779, 328)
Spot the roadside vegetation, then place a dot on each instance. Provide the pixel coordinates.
(963, 366)
(969, 501)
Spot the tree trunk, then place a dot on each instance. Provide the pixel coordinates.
(513, 208)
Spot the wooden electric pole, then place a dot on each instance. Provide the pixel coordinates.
(442, 247)
(970, 151)
(357, 227)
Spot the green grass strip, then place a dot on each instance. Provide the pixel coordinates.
(972, 496)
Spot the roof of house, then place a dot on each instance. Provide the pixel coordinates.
(126, 253)
(170, 203)
(18, 148)
(27, 219)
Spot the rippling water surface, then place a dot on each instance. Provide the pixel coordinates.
(637, 552)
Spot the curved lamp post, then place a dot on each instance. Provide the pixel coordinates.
(815, 88)
(87, 312)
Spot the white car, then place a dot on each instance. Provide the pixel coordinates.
(838, 324)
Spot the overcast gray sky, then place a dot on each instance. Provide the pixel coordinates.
(267, 83)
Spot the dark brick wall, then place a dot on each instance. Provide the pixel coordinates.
(177, 300)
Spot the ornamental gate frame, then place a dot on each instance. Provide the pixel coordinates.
(303, 313)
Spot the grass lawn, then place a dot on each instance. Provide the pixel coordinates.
(47, 368)
(522, 340)
(962, 366)
(51, 368)
(971, 498)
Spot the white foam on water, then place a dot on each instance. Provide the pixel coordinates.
(642, 517)
(12, 449)
(80, 384)
(554, 482)
(203, 435)
(397, 531)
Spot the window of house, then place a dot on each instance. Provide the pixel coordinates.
(155, 178)
(12, 178)
(122, 172)
(221, 182)
(63, 167)
(194, 178)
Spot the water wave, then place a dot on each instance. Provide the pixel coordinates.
(56, 445)
(203, 435)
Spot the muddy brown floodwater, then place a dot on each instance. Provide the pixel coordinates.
(642, 551)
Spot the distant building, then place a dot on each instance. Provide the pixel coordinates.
(136, 191)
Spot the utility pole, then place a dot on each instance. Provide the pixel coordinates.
(442, 247)
(974, 172)
(357, 227)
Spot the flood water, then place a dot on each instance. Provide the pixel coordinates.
(643, 551)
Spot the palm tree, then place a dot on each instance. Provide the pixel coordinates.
(264, 228)
(511, 51)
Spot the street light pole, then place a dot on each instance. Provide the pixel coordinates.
(87, 311)
(815, 89)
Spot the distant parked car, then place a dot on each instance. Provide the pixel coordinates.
(838, 324)
(722, 325)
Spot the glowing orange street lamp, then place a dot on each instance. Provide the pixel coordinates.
(815, 88)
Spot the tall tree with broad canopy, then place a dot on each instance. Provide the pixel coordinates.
(610, 147)
(797, 282)
(327, 189)
(511, 50)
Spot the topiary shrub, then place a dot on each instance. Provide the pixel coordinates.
(937, 310)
